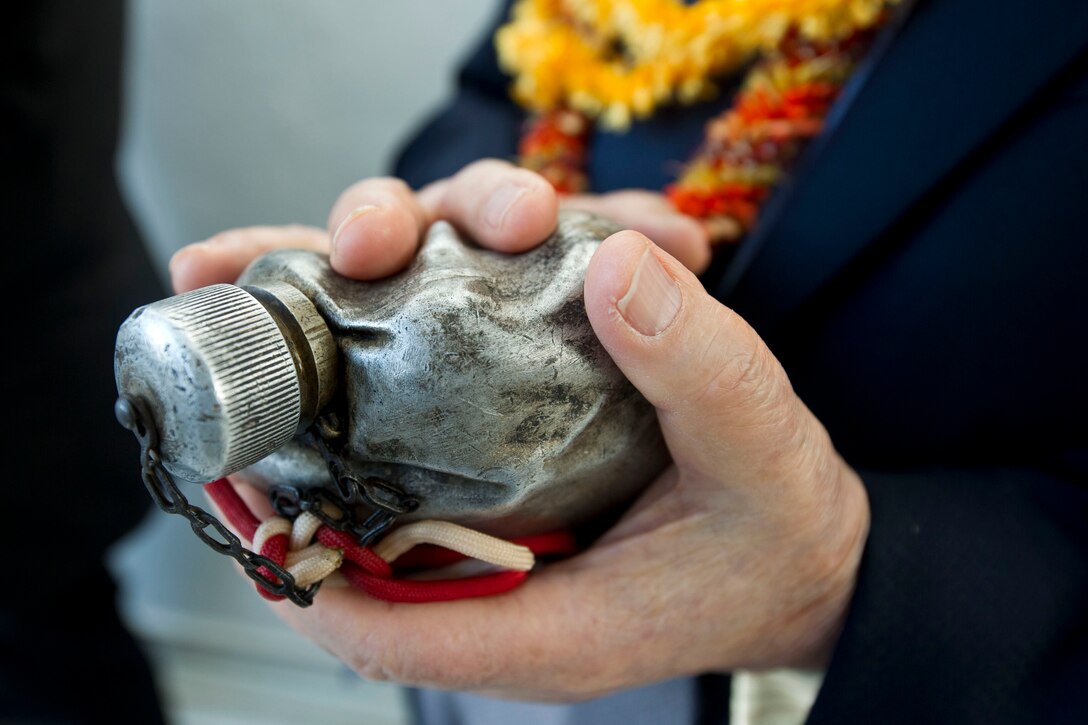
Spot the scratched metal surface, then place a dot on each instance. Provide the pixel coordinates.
(474, 380)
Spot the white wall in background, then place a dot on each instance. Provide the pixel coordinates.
(243, 112)
(261, 111)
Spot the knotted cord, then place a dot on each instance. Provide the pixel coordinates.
(311, 551)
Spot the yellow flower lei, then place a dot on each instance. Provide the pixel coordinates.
(615, 60)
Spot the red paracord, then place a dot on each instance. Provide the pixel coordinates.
(276, 550)
(233, 507)
(367, 571)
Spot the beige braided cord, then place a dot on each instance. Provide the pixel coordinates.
(323, 562)
(473, 544)
(306, 525)
(308, 552)
(310, 562)
(270, 528)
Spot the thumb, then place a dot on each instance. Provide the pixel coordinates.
(723, 400)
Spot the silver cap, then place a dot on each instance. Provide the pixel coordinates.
(217, 376)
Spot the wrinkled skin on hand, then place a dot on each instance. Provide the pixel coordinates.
(743, 554)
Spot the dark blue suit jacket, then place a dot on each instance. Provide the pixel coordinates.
(923, 277)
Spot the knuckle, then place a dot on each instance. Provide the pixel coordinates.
(741, 375)
(375, 660)
(493, 173)
(384, 189)
(526, 177)
(747, 379)
(371, 668)
(224, 238)
(375, 670)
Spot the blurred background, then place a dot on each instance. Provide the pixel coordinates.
(260, 112)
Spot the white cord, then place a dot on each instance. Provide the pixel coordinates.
(473, 544)
(312, 562)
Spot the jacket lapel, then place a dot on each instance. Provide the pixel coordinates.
(944, 82)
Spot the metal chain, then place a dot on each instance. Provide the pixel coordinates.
(132, 414)
(386, 500)
(338, 509)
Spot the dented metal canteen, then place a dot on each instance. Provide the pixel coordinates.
(472, 381)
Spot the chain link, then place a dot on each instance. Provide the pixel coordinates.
(386, 500)
(340, 508)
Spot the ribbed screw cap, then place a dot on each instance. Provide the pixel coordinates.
(217, 376)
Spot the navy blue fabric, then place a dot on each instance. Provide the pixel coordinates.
(482, 122)
(923, 277)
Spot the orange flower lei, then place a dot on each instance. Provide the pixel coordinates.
(576, 62)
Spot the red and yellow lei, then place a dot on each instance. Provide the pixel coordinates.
(580, 62)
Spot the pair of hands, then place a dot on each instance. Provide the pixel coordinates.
(742, 555)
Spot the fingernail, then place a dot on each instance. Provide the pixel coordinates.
(653, 299)
(355, 214)
(500, 204)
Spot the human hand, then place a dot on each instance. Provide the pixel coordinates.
(742, 554)
(376, 225)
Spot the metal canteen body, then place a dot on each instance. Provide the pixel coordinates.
(472, 380)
